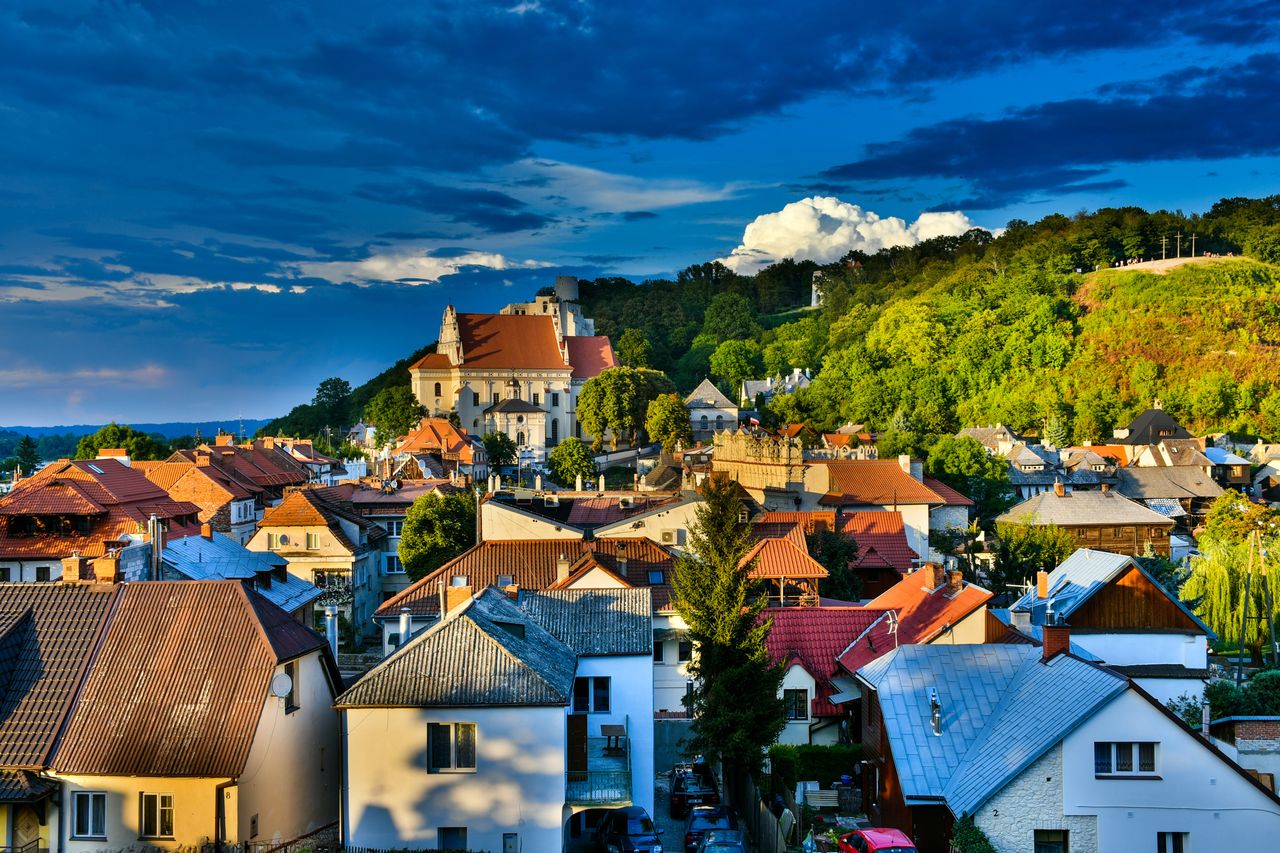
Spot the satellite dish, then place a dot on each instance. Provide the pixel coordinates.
(284, 539)
(281, 685)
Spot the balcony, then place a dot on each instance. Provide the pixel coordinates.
(607, 779)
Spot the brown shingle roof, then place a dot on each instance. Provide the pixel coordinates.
(180, 681)
(523, 341)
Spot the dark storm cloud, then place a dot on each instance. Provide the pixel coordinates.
(1068, 146)
(488, 210)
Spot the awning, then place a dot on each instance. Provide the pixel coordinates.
(23, 786)
(847, 690)
(669, 634)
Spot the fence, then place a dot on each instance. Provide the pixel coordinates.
(769, 832)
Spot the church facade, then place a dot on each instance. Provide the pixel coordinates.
(519, 371)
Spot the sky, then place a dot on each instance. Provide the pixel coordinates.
(207, 208)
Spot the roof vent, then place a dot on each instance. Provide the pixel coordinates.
(935, 711)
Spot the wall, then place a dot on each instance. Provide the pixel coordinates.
(969, 631)
(1127, 649)
(194, 811)
(291, 779)
(392, 801)
(630, 702)
(797, 678)
(675, 521)
(671, 677)
(502, 522)
(1197, 792)
(1033, 801)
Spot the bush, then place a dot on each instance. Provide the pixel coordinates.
(813, 762)
(967, 838)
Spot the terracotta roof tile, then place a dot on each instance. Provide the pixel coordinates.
(881, 538)
(879, 482)
(525, 341)
(432, 361)
(590, 355)
(782, 558)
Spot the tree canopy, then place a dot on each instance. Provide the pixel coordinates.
(667, 422)
(634, 348)
(437, 528)
(569, 460)
(616, 403)
(735, 361)
(499, 448)
(394, 411)
(139, 445)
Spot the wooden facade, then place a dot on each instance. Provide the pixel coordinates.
(1132, 601)
(1129, 539)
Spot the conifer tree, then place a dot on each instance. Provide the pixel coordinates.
(735, 702)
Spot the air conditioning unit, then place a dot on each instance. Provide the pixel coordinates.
(668, 537)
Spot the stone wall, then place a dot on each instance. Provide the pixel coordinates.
(1033, 801)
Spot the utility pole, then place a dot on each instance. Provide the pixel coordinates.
(1164, 247)
(1244, 612)
(1179, 236)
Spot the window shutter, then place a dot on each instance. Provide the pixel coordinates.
(438, 746)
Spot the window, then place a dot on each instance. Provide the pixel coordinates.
(42, 574)
(437, 389)
(1173, 842)
(451, 838)
(797, 702)
(6, 574)
(313, 541)
(291, 698)
(394, 528)
(655, 577)
(505, 581)
(1050, 841)
(273, 542)
(157, 816)
(89, 814)
(702, 422)
(475, 398)
(685, 651)
(658, 648)
(451, 747)
(719, 422)
(497, 397)
(591, 695)
(535, 398)
(1124, 758)
(520, 439)
(555, 430)
(458, 581)
(555, 400)
(253, 826)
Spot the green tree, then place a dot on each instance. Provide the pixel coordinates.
(1024, 549)
(569, 460)
(1215, 589)
(1232, 518)
(836, 552)
(735, 703)
(634, 348)
(1057, 430)
(617, 401)
(500, 449)
(667, 421)
(331, 399)
(963, 463)
(437, 528)
(730, 316)
(139, 445)
(27, 454)
(394, 411)
(735, 361)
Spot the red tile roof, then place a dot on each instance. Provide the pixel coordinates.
(881, 538)
(590, 356)
(814, 637)
(437, 435)
(877, 482)
(432, 361)
(595, 511)
(949, 496)
(523, 341)
(782, 558)
(810, 521)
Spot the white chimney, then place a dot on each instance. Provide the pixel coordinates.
(537, 483)
(331, 627)
(562, 567)
(405, 626)
(602, 482)
(577, 483)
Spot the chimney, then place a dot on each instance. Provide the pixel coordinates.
(1106, 487)
(1204, 718)
(222, 439)
(269, 443)
(602, 482)
(562, 568)
(203, 460)
(1057, 639)
(537, 482)
(1059, 489)
(406, 625)
(1042, 585)
(117, 453)
(904, 462)
(456, 596)
(206, 530)
(577, 483)
(107, 569)
(933, 575)
(955, 582)
(73, 566)
(622, 559)
(331, 627)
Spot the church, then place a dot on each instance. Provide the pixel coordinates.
(518, 372)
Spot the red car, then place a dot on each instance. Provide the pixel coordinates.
(876, 840)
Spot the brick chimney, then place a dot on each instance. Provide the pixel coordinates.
(1059, 489)
(206, 530)
(562, 568)
(107, 569)
(117, 453)
(203, 460)
(1042, 585)
(933, 575)
(955, 582)
(455, 596)
(1106, 487)
(72, 568)
(1057, 639)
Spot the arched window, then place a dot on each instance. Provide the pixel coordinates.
(520, 439)
(703, 423)
(719, 422)
(437, 389)
(475, 424)
(555, 430)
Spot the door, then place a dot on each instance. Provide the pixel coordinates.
(26, 827)
(576, 738)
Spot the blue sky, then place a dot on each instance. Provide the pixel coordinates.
(207, 208)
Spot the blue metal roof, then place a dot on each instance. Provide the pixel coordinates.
(223, 558)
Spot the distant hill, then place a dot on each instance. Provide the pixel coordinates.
(171, 429)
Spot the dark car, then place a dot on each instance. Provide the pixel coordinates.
(689, 790)
(723, 841)
(701, 820)
(628, 830)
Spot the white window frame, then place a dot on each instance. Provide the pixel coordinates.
(313, 541)
(161, 803)
(393, 564)
(395, 527)
(1116, 750)
(85, 799)
(453, 748)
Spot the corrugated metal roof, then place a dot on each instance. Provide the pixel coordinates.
(595, 622)
(49, 631)
(488, 652)
(179, 683)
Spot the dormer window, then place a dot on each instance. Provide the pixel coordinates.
(505, 581)
(458, 581)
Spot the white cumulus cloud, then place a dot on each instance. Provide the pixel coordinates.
(410, 265)
(823, 229)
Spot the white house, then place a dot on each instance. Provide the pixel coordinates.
(488, 730)
(710, 411)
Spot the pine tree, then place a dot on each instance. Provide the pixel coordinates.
(27, 454)
(735, 702)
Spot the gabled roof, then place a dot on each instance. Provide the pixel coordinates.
(782, 558)
(521, 341)
(1177, 483)
(590, 355)
(990, 437)
(510, 404)
(436, 435)
(708, 396)
(164, 697)
(879, 482)
(1082, 508)
(432, 361)
(1080, 577)
(487, 652)
(814, 637)
(595, 622)
(881, 538)
(1001, 709)
(223, 558)
(1222, 456)
(1147, 427)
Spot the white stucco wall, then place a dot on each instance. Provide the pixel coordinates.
(1033, 801)
(674, 522)
(501, 522)
(1196, 793)
(631, 701)
(797, 731)
(969, 631)
(392, 801)
(671, 676)
(1129, 649)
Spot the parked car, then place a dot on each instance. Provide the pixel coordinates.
(703, 819)
(628, 830)
(689, 790)
(723, 841)
(876, 840)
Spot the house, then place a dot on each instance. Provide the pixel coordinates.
(996, 439)
(1171, 453)
(441, 450)
(215, 556)
(1120, 615)
(1103, 519)
(771, 385)
(86, 508)
(489, 730)
(780, 560)
(1151, 427)
(130, 719)
(1182, 494)
(330, 547)
(1042, 750)
(1253, 742)
(227, 500)
(537, 354)
(1034, 469)
(663, 517)
(256, 463)
(883, 553)
(710, 411)
(1229, 470)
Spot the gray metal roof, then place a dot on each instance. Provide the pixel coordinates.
(1178, 483)
(1001, 709)
(223, 558)
(487, 652)
(595, 622)
(1222, 456)
(1082, 508)
(708, 396)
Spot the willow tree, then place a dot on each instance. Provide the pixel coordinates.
(1215, 589)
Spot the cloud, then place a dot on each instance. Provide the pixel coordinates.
(27, 377)
(824, 229)
(597, 190)
(486, 209)
(412, 266)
